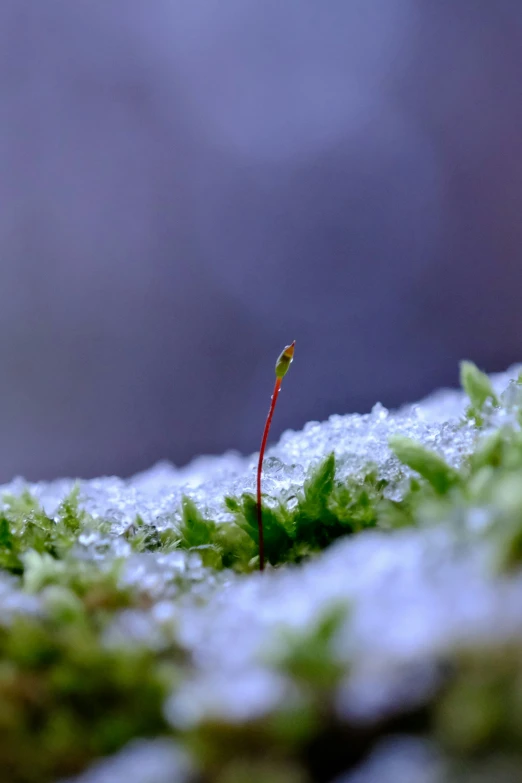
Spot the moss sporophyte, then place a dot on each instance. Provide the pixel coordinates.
(283, 363)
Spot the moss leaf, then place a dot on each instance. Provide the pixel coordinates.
(477, 386)
(429, 464)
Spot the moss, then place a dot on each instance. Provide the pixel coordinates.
(325, 510)
(261, 771)
(219, 545)
(147, 538)
(309, 658)
(24, 527)
(426, 462)
(477, 386)
(480, 710)
(67, 697)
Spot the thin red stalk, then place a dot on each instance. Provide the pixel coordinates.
(283, 363)
(268, 422)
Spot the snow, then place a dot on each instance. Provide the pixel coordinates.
(400, 760)
(151, 761)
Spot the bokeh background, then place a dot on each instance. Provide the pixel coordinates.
(185, 187)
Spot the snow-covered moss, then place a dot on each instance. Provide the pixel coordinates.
(133, 610)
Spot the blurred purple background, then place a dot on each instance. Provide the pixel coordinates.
(186, 187)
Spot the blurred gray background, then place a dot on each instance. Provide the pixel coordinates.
(185, 187)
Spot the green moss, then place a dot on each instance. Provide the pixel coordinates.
(261, 771)
(309, 657)
(65, 698)
(24, 526)
(220, 545)
(276, 526)
(480, 710)
(325, 510)
(477, 386)
(427, 463)
(147, 538)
